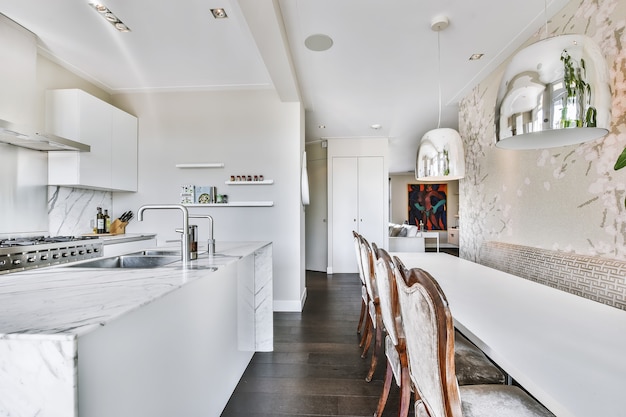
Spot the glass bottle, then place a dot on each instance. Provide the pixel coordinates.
(100, 220)
(107, 222)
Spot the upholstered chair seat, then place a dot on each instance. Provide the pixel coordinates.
(500, 401)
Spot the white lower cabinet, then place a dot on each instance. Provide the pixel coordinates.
(112, 134)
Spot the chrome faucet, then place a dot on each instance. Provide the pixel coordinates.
(211, 243)
(186, 250)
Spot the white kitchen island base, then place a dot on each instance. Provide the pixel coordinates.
(159, 342)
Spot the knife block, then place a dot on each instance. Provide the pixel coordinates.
(118, 227)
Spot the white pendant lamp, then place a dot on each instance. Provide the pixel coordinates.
(440, 155)
(553, 93)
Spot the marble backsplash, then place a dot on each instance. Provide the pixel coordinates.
(72, 211)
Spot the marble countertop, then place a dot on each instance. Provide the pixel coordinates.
(66, 302)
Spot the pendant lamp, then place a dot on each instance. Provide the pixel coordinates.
(553, 93)
(440, 155)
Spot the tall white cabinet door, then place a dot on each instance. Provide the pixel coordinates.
(372, 199)
(358, 201)
(345, 195)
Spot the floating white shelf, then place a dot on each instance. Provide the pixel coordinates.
(202, 165)
(235, 204)
(264, 182)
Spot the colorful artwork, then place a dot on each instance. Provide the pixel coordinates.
(427, 203)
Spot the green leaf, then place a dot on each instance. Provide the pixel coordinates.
(621, 161)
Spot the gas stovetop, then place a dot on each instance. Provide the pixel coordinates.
(18, 254)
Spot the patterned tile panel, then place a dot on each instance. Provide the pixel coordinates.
(593, 277)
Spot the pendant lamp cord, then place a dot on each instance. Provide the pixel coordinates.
(439, 76)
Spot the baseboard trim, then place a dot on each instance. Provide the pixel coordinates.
(290, 306)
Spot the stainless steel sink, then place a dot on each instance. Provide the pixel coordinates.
(129, 261)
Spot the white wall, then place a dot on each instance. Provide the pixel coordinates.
(251, 132)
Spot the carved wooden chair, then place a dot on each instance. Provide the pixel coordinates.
(472, 367)
(395, 346)
(429, 332)
(475, 366)
(364, 296)
(373, 325)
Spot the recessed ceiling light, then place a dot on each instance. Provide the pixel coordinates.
(110, 17)
(376, 126)
(318, 42)
(219, 13)
(121, 27)
(476, 57)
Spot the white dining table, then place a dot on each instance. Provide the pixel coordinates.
(569, 352)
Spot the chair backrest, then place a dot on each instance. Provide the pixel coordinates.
(367, 262)
(388, 296)
(429, 333)
(357, 250)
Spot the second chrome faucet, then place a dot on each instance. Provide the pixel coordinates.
(211, 240)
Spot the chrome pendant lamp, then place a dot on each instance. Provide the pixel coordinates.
(553, 93)
(440, 155)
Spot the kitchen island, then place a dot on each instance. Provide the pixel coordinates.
(166, 341)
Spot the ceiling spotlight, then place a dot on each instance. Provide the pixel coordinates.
(121, 27)
(219, 13)
(476, 57)
(101, 8)
(110, 17)
(376, 126)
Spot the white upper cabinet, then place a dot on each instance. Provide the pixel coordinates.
(111, 133)
(124, 151)
(18, 48)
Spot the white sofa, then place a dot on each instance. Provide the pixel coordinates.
(404, 238)
(408, 238)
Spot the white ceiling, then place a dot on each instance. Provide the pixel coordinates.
(382, 67)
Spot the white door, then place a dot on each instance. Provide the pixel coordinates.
(371, 199)
(345, 213)
(316, 217)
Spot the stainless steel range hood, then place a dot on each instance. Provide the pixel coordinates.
(21, 136)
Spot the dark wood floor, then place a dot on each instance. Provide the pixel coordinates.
(316, 368)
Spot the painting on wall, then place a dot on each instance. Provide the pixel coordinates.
(427, 203)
